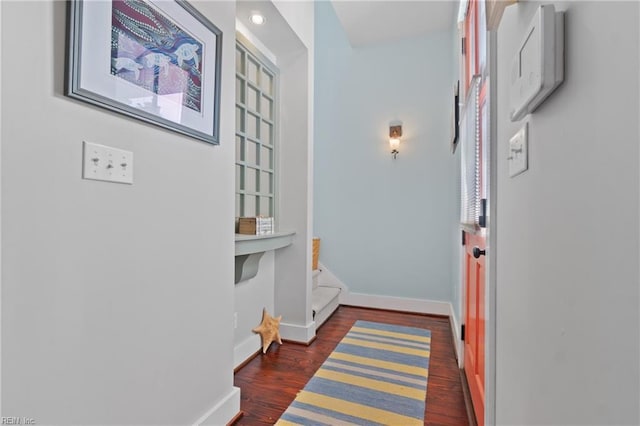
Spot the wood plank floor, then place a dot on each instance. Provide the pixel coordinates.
(270, 382)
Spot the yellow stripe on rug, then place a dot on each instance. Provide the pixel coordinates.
(385, 347)
(364, 382)
(356, 410)
(405, 336)
(387, 365)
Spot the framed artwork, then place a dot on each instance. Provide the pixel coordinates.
(156, 60)
(455, 131)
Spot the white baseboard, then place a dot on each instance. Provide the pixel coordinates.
(298, 333)
(224, 411)
(328, 279)
(245, 349)
(455, 330)
(405, 304)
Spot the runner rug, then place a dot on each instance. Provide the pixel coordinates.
(376, 375)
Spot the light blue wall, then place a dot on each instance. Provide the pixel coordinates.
(387, 226)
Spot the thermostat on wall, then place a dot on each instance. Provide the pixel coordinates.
(538, 67)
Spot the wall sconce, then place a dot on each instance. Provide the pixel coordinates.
(394, 139)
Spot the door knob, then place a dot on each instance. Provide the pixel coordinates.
(477, 252)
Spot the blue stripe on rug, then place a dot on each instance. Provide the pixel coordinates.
(338, 416)
(301, 420)
(394, 328)
(369, 397)
(412, 360)
(396, 381)
(369, 380)
(379, 369)
(395, 340)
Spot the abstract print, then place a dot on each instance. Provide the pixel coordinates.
(151, 51)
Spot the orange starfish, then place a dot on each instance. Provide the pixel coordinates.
(268, 330)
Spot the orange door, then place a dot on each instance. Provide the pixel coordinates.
(475, 320)
(475, 236)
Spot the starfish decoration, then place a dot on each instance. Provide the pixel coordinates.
(268, 330)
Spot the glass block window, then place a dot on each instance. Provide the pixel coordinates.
(255, 133)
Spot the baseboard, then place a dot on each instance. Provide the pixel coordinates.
(246, 349)
(224, 411)
(298, 333)
(403, 304)
(328, 279)
(455, 331)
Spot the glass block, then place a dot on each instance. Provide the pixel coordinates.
(267, 82)
(253, 150)
(239, 148)
(250, 204)
(252, 99)
(252, 71)
(266, 157)
(239, 177)
(266, 131)
(240, 61)
(240, 94)
(265, 206)
(253, 123)
(240, 125)
(266, 108)
(266, 183)
(251, 182)
(239, 205)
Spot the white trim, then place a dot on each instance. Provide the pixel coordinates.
(491, 256)
(245, 349)
(298, 333)
(1, 213)
(457, 342)
(224, 411)
(422, 306)
(327, 278)
(242, 29)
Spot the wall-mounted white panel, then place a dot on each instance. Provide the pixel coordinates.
(538, 66)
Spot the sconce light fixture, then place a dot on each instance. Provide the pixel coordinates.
(395, 132)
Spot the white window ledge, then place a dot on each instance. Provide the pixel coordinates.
(250, 248)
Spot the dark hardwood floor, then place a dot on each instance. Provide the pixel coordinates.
(270, 382)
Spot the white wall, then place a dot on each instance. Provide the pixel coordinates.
(386, 225)
(251, 296)
(567, 268)
(116, 300)
(288, 35)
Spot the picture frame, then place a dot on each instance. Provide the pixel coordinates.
(455, 131)
(158, 61)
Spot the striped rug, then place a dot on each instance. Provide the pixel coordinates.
(376, 375)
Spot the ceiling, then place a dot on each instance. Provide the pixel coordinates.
(369, 22)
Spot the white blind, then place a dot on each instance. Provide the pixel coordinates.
(470, 145)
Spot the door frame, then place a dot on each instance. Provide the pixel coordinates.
(492, 234)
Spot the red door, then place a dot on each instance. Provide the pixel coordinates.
(475, 232)
(475, 320)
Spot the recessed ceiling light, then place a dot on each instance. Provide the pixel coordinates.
(256, 18)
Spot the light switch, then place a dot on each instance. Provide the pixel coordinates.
(518, 151)
(105, 163)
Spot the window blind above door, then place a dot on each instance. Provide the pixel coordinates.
(470, 145)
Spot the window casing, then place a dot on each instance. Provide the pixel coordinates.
(256, 118)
